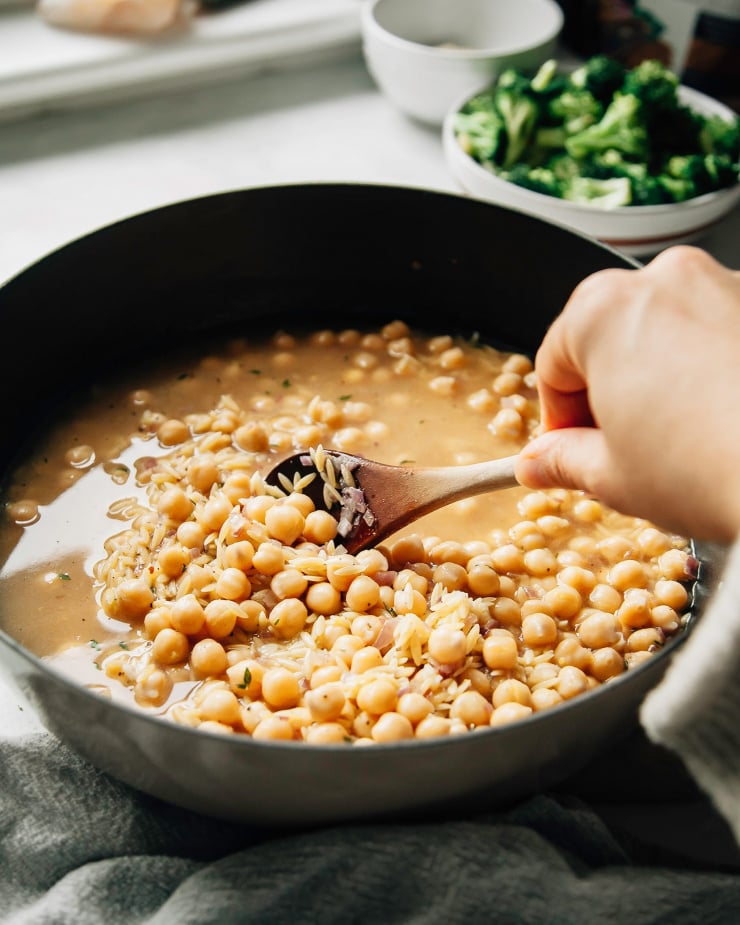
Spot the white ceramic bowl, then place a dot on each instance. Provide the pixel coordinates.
(639, 231)
(425, 54)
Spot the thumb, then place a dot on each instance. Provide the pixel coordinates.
(572, 457)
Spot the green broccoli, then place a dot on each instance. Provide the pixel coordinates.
(564, 167)
(720, 136)
(705, 173)
(537, 179)
(481, 134)
(575, 110)
(601, 76)
(621, 127)
(676, 189)
(654, 85)
(519, 113)
(645, 190)
(604, 194)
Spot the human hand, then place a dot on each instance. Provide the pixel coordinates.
(639, 383)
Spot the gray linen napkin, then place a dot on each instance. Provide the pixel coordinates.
(79, 847)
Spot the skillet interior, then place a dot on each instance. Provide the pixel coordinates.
(268, 258)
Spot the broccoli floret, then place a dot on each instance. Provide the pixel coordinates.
(601, 76)
(519, 113)
(564, 167)
(676, 189)
(603, 194)
(720, 136)
(654, 85)
(707, 173)
(645, 189)
(537, 179)
(575, 110)
(481, 134)
(674, 131)
(620, 127)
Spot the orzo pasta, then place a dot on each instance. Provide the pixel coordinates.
(162, 569)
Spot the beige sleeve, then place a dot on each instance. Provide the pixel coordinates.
(695, 710)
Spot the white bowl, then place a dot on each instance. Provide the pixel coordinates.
(634, 230)
(425, 54)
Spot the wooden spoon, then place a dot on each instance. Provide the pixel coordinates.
(372, 500)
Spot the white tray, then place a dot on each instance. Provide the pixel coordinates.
(43, 68)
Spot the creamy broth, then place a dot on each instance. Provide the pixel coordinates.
(73, 508)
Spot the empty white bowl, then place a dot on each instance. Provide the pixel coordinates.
(635, 230)
(425, 54)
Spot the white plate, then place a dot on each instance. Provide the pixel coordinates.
(44, 68)
(635, 230)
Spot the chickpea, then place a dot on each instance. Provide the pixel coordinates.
(325, 674)
(508, 558)
(252, 616)
(191, 535)
(269, 558)
(392, 727)
(173, 560)
(510, 690)
(325, 702)
(362, 594)
(433, 726)
(539, 630)
(152, 687)
(170, 647)
(415, 707)
(239, 555)
(598, 629)
(378, 696)
(647, 639)
(510, 712)
(245, 676)
(366, 627)
(346, 647)
(635, 610)
(674, 563)
(233, 585)
(471, 708)
(285, 523)
(447, 644)
(323, 598)
(208, 658)
(544, 698)
(157, 620)
(288, 618)
(274, 728)
(563, 601)
(483, 579)
(569, 651)
(220, 706)
(175, 504)
(629, 573)
(582, 579)
(134, 598)
(606, 663)
(500, 650)
(221, 618)
(571, 682)
(451, 576)
(215, 511)
(187, 615)
(280, 688)
(320, 527)
(672, 593)
(408, 549)
(288, 583)
(605, 597)
(203, 472)
(507, 611)
(365, 659)
(326, 734)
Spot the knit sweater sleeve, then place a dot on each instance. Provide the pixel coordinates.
(695, 710)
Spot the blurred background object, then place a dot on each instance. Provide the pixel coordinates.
(698, 39)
